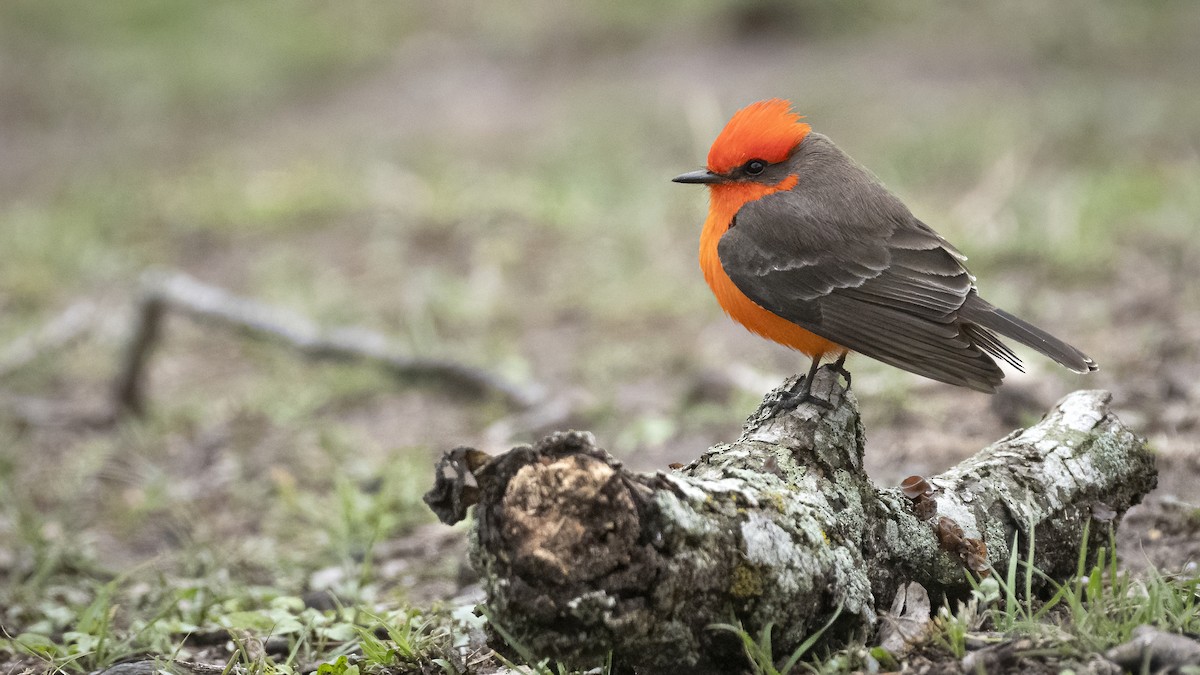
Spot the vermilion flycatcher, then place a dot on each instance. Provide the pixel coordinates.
(805, 247)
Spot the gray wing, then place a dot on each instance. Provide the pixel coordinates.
(843, 258)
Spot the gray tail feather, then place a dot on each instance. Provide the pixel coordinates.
(981, 312)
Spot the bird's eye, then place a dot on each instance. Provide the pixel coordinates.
(755, 167)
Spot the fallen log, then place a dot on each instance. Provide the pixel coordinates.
(581, 557)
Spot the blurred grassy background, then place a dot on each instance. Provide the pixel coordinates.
(490, 183)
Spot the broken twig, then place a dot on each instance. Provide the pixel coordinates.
(178, 293)
(69, 326)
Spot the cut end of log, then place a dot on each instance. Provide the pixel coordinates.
(570, 520)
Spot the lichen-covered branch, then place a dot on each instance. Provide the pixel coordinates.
(580, 556)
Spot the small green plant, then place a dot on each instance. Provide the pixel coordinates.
(341, 666)
(761, 654)
(952, 632)
(535, 666)
(1098, 608)
(410, 639)
(951, 627)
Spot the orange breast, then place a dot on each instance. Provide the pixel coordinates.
(726, 200)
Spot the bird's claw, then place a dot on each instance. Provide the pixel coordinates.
(789, 400)
(840, 370)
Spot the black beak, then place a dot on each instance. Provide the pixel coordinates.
(702, 177)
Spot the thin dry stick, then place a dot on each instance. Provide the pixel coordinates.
(178, 293)
(66, 328)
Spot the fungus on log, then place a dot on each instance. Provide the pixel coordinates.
(581, 557)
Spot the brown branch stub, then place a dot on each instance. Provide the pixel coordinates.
(129, 389)
(455, 488)
(580, 556)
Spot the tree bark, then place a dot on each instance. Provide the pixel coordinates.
(581, 557)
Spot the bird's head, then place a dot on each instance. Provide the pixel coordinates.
(753, 147)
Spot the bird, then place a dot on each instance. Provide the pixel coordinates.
(805, 247)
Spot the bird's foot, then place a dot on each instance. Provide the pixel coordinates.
(840, 368)
(793, 401)
(789, 400)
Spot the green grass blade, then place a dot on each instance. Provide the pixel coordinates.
(1010, 583)
(808, 643)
